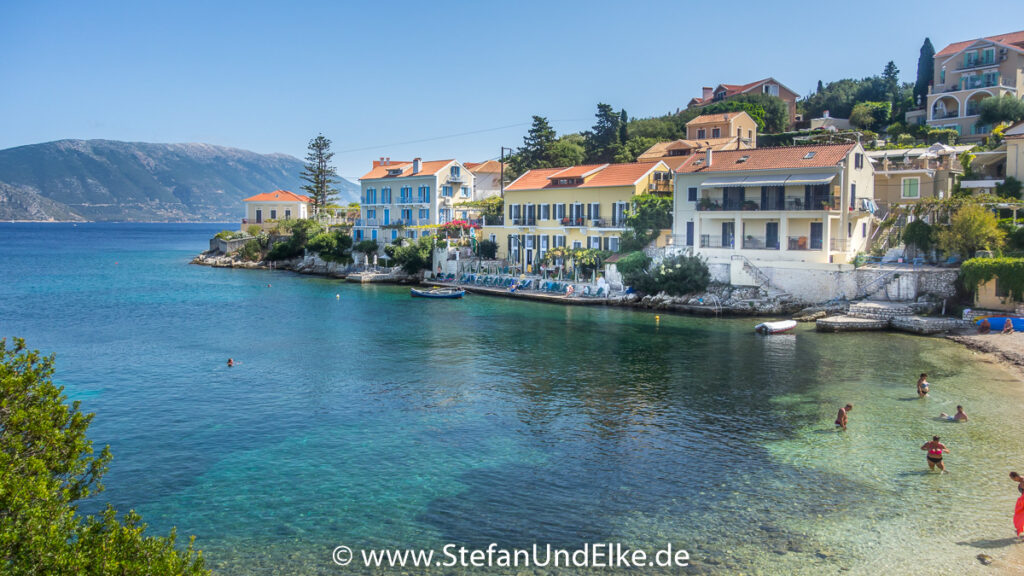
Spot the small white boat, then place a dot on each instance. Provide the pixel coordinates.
(775, 327)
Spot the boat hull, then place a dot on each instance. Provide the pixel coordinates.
(437, 294)
(779, 327)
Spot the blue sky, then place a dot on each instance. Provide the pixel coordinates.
(376, 77)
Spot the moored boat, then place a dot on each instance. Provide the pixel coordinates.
(775, 327)
(438, 293)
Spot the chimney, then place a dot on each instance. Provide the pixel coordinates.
(708, 157)
(416, 165)
(824, 114)
(726, 117)
(387, 161)
(707, 92)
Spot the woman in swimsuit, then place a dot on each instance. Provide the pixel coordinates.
(935, 450)
(841, 416)
(922, 386)
(1018, 511)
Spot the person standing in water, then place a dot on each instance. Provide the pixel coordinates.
(842, 417)
(1018, 510)
(935, 451)
(922, 385)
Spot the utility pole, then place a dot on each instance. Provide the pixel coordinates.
(502, 161)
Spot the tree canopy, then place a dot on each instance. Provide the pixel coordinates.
(925, 72)
(320, 174)
(995, 110)
(47, 466)
(602, 140)
(972, 228)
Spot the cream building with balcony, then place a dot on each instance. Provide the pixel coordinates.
(573, 207)
(264, 210)
(968, 72)
(400, 198)
(910, 175)
(800, 207)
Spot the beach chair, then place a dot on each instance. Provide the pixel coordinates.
(526, 283)
(600, 292)
(586, 290)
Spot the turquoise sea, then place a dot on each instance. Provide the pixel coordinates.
(358, 416)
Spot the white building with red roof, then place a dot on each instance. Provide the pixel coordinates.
(769, 86)
(799, 206)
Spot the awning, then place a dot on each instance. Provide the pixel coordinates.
(810, 179)
(719, 181)
(778, 180)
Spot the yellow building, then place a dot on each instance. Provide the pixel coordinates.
(726, 131)
(574, 207)
(992, 295)
(265, 209)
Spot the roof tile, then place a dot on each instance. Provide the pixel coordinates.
(780, 158)
(278, 196)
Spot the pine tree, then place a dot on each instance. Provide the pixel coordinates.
(603, 139)
(623, 127)
(925, 72)
(536, 149)
(821, 87)
(320, 174)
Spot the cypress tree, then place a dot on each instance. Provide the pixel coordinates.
(925, 71)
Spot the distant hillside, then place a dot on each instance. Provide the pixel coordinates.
(135, 181)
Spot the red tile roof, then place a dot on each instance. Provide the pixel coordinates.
(780, 158)
(734, 89)
(605, 175)
(580, 171)
(426, 168)
(1015, 39)
(279, 196)
(716, 118)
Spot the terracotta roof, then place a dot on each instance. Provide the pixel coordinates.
(734, 89)
(483, 167)
(780, 158)
(278, 196)
(717, 118)
(605, 175)
(580, 171)
(660, 150)
(426, 168)
(1013, 39)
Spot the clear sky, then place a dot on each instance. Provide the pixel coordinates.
(436, 79)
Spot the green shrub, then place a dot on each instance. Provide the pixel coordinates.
(904, 140)
(1010, 272)
(942, 135)
(366, 247)
(633, 267)
(487, 249)
(333, 246)
(1010, 188)
(230, 234)
(284, 251)
(920, 235)
(675, 276)
(413, 257)
(251, 251)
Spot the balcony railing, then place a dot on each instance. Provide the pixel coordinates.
(978, 64)
(803, 243)
(945, 115)
(661, 186)
(455, 178)
(493, 221)
(751, 242)
(971, 86)
(574, 222)
(708, 241)
(839, 244)
(790, 203)
(368, 221)
(603, 223)
(524, 221)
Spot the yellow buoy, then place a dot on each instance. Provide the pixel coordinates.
(337, 296)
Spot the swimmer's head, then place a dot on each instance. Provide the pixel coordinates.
(935, 438)
(849, 407)
(1014, 475)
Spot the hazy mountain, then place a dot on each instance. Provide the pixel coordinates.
(137, 181)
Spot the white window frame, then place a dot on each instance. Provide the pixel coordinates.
(903, 187)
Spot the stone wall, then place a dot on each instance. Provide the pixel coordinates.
(227, 246)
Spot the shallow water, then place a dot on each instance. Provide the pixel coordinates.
(360, 416)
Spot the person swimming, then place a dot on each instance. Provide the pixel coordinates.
(922, 385)
(960, 415)
(935, 450)
(842, 417)
(231, 362)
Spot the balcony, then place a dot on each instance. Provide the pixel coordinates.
(944, 115)
(524, 221)
(708, 241)
(613, 223)
(574, 222)
(455, 178)
(982, 63)
(368, 222)
(839, 244)
(751, 242)
(661, 186)
(789, 203)
(803, 243)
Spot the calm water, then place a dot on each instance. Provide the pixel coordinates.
(360, 416)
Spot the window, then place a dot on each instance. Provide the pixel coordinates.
(287, 214)
(373, 234)
(858, 160)
(576, 245)
(424, 213)
(701, 133)
(849, 229)
(716, 132)
(394, 233)
(853, 196)
(371, 213)
(446, 191)
(494, 238)
(558, 241)
(863, 229)
(371, 196)
(942, 75)
(691, 194)
(770, 89)
(750, 134)
(594, 242)
(385, 195)
(613, 244)
(559, 213)
(423, 194)
(810, 154)
(465, 191)
(545, 211)
(456, 172)
(911, 188)
(273, 214)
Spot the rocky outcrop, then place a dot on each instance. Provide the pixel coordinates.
(719, 299)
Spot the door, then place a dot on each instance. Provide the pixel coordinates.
(816, 229)
(771, 235)
(259, 216)
(689, 233)
(728, 234)
(387, 216)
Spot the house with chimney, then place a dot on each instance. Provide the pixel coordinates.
(726, 131)
(775, 212)
(769, 86)
(408, 199)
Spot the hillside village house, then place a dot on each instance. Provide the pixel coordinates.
(801, 207)
(965, 74)
(573, 207)
(264, 209)
(769, 86)
(727, 131)
(990, 168)
(400, 197)
(486, 184)
(907, 176)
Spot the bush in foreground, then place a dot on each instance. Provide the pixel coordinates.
(675, 276)
(47, 465)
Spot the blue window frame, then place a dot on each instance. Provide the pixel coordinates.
(691, 194)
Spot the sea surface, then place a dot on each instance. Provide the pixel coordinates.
(359, 416)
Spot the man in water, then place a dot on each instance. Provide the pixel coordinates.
(935, 450)
(841, 417)
(960, 415)
(231, 362)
